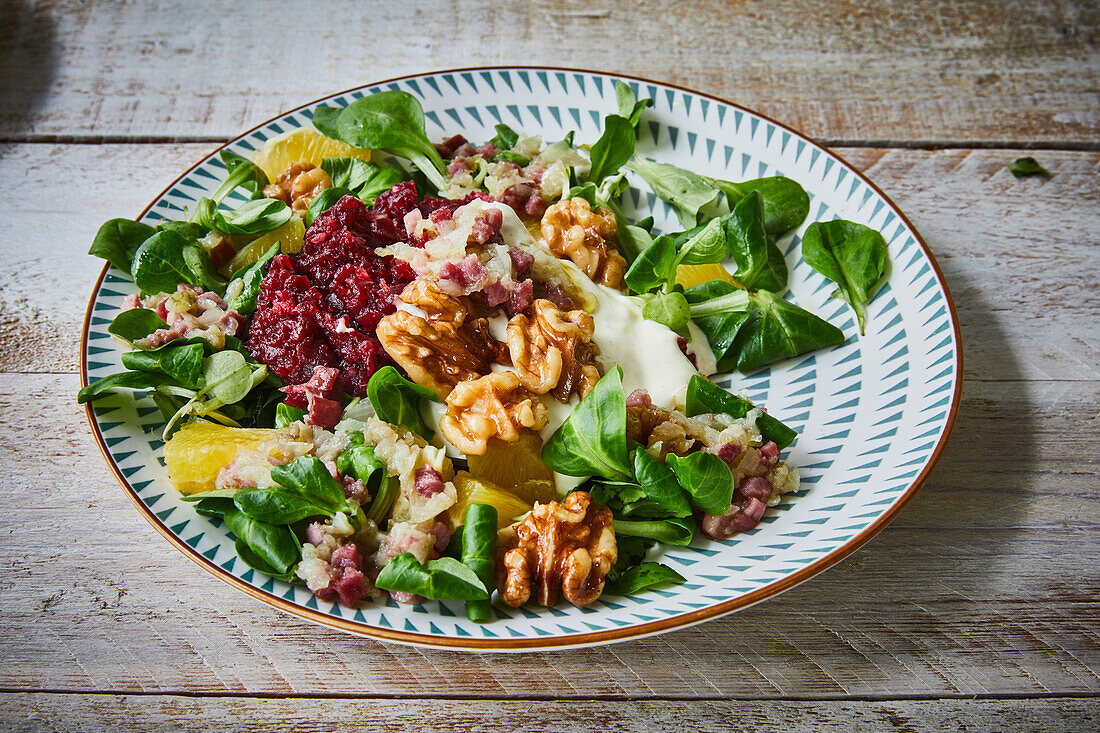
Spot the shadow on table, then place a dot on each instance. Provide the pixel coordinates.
(29, 54)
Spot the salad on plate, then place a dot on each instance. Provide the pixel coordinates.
(447, 370)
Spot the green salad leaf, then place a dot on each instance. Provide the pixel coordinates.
(707, 478)
(251, 279)
(255, 217)
(613, 149)
(670, 309)
(592, 440)
(181, 362)
(704, 396)
(285, 414)
(1023, 167)
(273, 548)
(675, 531)
(135, 324)
(654, 267)
(392, 121)
(442, 579)
(786, 204)
(124, 380)
(159, 265)
(629, 105)
(777, 329)
(760, 263)
(687, 192)
(659, 483)
(396, 400)
(641, 577)
(478, 550)
(118, 240)
(851, 255)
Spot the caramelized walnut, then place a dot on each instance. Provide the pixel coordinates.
(651, 425)
(552, 350)
(298, 185)
(573, 230)
(570, 546)
(495, 405)
(446, 347)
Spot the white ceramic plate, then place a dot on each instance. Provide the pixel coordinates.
(872, 414)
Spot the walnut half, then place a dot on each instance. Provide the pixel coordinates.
(570, 546)
(495, 405)
(572, 229)
(298, 185)
(446, 347)
(552, 350)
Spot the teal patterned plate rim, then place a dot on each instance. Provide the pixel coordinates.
(873, 413)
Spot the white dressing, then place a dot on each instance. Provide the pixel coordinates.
(646, 350)
(498, 327)
(700, 347)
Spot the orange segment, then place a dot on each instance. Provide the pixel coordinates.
(517, 467)
(302, 144)
(478, 491)
(688, 275)
(199, 450)
(289, 235)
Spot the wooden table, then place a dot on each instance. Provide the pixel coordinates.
(978, 608)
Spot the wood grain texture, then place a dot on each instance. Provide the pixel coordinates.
(987, 584)
(154, 714)
(1020, 255)
(930, 71)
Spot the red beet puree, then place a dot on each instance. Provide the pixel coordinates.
(320, 308)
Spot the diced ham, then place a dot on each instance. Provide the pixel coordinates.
(755, 487)
(347, 556)
(638, 398)
(428, 481)
(496, 294)
(522, 295)
(556, 294)
(315, 534)
(738, 518)
(346, 578)
(352, 586)
(316, 395)
(728, 452)
(131, 301)
(323, 412)
(487, 226)
(354, 489)
(448, 147)
(442, 534)
(524, 199)
(521, 261)
(769, 454)
(470, 274)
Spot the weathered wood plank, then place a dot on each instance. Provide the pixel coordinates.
(987, 584)
(927, 71)
(153, 713)
(1019, 255)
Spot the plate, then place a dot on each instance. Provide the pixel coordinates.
(873, 413)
